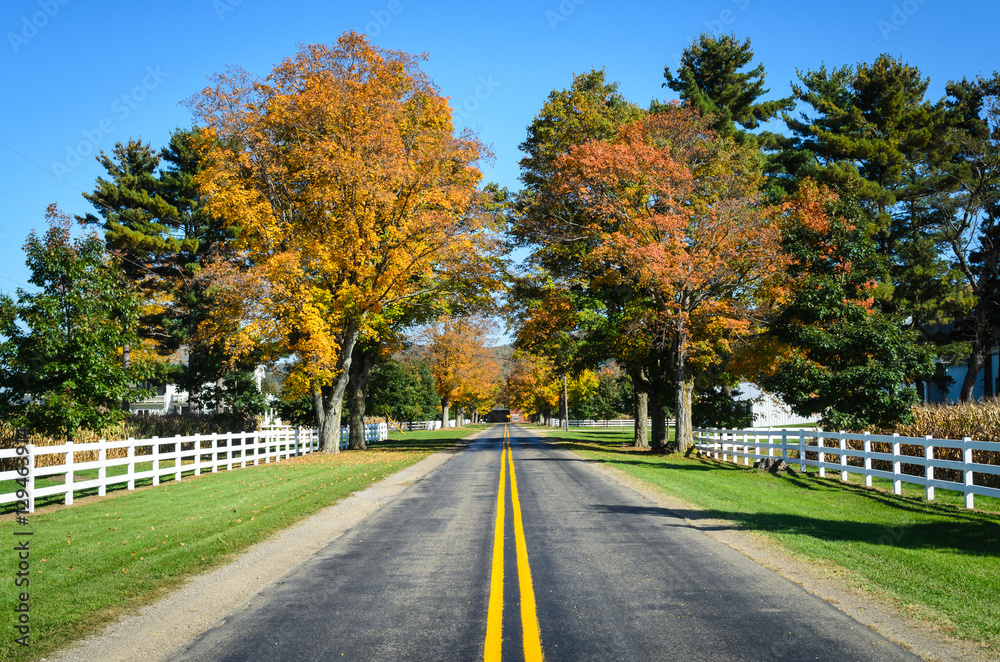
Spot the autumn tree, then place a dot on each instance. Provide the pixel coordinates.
(591, 108)
(479, 392)
(456, 348)
(674, 210)
(548, 325)
(353, 191)
(532, 386)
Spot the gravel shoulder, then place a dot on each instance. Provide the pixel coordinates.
(166, 627)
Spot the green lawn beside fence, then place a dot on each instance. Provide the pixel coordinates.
(936, 560)
(95, 560)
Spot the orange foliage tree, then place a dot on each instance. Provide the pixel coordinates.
(461, 361)
(673, 212)
(353, 193)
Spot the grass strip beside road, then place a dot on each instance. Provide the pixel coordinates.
(98, 559)
(936, 560)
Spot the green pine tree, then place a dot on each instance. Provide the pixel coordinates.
(151, 213)
(713, 77)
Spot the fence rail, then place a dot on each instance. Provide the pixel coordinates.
(856, 453)
(410, 426)
(154, 458)
(616, 423)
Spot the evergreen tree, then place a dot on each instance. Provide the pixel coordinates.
(152, 217)
(713, 77)
(966, 214)
(873, 137)
(840, 355)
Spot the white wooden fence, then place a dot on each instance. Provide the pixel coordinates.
(616, 423)
(158, 457)
(409, 426)
(830, 451)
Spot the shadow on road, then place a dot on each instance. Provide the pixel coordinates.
(975, 538)
(934, 525)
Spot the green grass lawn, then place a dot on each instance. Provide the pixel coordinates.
(937, 560)
(95, 560)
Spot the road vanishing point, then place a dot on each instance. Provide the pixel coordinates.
(515, 549)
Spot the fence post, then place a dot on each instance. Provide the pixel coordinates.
(215, 453)
(802, 451)
(69, 473)
(102, 469)
(131, 463)
(177, 457)
(897, 465)
(967, 459)
(243, 449)
(197, 454)
(156, 460)
(821, 456)
(929, 468)
(229, 452)
(29, 480)
(746, 453)
(867, 445)
(843, 455)
(784, 445)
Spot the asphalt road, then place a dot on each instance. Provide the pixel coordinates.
(613, 578)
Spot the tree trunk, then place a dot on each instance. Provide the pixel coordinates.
(976, 361)
(220, 405)
(330, 403)
(641, 438)
(564, 405)
(193, 405)
(684, 436)
(988, 382)
(126, 364)
(361, 367)
(445, 401)
(659, 436)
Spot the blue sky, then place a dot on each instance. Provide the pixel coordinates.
(79, 76)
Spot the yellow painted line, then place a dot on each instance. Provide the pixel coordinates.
(494, 616)
(529, 618)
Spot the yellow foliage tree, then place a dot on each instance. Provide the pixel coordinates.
(353, 193)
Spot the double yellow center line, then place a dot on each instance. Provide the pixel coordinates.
(529, 618)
